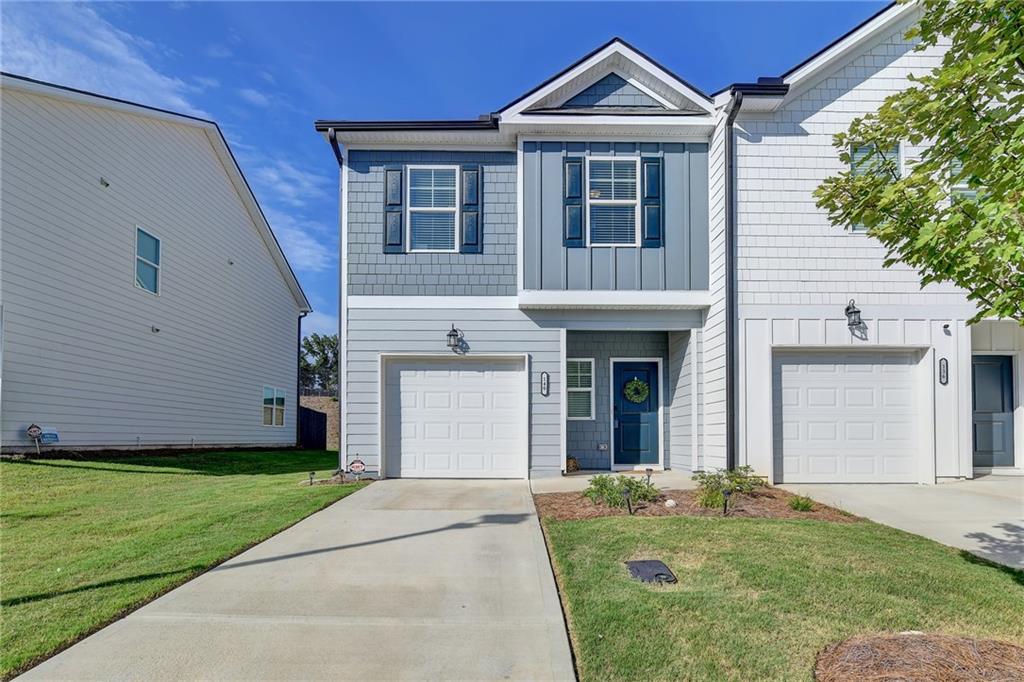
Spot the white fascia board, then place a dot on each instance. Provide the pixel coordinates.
(432, 302)
(612, 300)
(827, 59)
(634, 121)
(615, 48)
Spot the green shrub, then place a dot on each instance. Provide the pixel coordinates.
(801, 503)
(711, 485)
(607, 489)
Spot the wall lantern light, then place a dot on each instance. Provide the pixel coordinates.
(852, 315)
(454, 338)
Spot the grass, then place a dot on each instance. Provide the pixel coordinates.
(757, 599)
(83, 542)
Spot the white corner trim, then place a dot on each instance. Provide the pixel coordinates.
(433, 302)
(520, 207)
(610, 300)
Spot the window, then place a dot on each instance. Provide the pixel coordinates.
(273, 406)
(613, 210)
(147, 261)
(433, 201)
(962, 187)
(579, 382)
(864, 161)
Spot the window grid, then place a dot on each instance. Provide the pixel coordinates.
(613, 206)
(579, 383)
(147, 261)
(273, 406)
(432, 198)
(858, 166)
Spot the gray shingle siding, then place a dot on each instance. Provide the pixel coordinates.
(371, 272)
(583, 436)
(612, 91)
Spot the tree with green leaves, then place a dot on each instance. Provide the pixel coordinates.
(957, 213)
(318, 366)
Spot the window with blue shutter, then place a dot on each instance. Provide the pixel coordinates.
(612, 201)
(572, 202)
(394, 229)
(472, 210)
(433, 208)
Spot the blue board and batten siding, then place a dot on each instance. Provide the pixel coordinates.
(680, 263)
(371, 272)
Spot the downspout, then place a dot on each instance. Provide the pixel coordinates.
(298, 381)
(332, 137)
(731, 295)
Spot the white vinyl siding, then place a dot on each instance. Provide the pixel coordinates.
(147, 261)
(433, 208)
(579, 382)
(273, 406)
(80, 354)
(612, 201)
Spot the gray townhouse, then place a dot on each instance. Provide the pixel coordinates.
(620, 268)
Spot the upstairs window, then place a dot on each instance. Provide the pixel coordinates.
(432, 212)
(962, 187)
(864, 161)
(273, 406)
(147, 261)
(579, 382)
(613, 209)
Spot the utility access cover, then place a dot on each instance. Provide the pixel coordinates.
(650, 571)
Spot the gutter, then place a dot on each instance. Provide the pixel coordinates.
(731, 295)
(298, 379)
(332, 137)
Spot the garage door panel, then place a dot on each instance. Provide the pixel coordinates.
(845, 417)
(455, 422)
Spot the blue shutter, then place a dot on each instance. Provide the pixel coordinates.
(472, 210)
(394, 232)
(652, 204)
(572, 202)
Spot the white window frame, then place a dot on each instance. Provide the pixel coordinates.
(274, 408)
(900, 160)
(457, 237)
(613, 202)
(593, 381)
(135, 262)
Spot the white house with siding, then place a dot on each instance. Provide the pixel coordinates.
(619, 268)
(144, 301)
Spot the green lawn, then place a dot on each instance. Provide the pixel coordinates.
(757, 599)
(85, 541)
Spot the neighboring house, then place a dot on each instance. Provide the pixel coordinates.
(634, 274)
(144, 301)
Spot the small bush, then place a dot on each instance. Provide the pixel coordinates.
(607, 489)
(801, 503)
(711, 485)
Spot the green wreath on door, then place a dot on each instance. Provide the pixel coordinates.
(636, 390)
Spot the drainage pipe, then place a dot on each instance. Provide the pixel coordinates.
(731, 295)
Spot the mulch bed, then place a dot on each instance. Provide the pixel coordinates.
(763, 503)
(916, 657)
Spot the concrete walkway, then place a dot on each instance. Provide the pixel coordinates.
(404, 580)
(985, 516)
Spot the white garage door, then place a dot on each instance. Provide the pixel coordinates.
(845, 417)
(455, 418)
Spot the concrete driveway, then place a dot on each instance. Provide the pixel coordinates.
(985, 516)
(404, 580)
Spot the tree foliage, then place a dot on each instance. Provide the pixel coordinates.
(968, 115)
(318, 365)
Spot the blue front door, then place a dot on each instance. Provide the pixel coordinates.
(635, 413)
(992, 394)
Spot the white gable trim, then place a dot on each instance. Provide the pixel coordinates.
(217, 142)
(594, 62)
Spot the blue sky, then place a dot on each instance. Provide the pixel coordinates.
(264, 71)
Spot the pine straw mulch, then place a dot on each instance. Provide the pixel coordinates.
(917, 657)
(763, 503)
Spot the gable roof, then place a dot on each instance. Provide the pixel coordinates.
(612, 91)
(216, 139)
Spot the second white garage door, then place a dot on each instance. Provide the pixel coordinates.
(455, 418)
(845, 417)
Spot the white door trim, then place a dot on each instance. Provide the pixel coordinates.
(611, 415)
(383, 358)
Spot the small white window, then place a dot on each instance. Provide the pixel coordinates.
(147, 261)
(579, 382)
(273, 406)
(433, 199)
(962, 187)
(613, 206)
